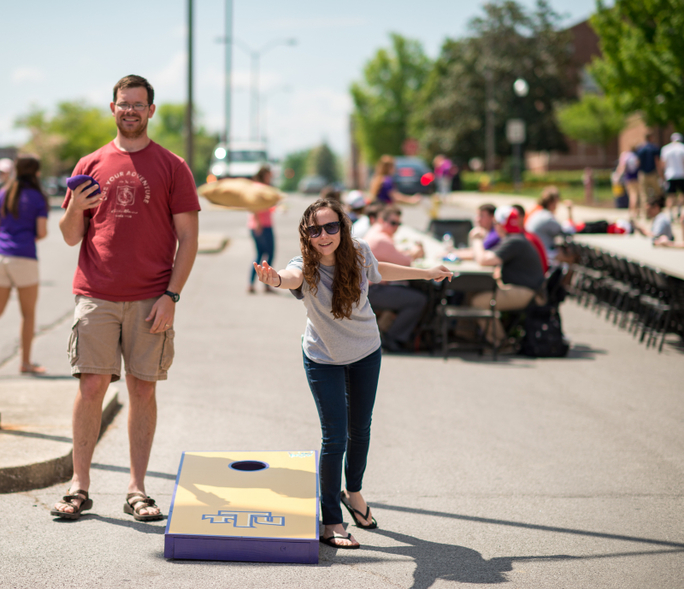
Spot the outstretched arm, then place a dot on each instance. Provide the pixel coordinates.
(290, 278)
(393, 272)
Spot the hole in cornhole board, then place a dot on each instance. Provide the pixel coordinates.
(248, 465)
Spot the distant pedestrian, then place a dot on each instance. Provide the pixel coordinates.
(6, 170)
(443, 168)
(382, 187)
(341, 348)
(138, 244)
(260, 225)
(649, 173)
(23, 221)
(628, 171)
(672, 162)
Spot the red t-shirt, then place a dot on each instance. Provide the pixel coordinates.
(128, 250)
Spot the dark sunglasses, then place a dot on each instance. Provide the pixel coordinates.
(395, 223)
(330, 229)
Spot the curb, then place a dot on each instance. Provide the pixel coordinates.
(15, 479)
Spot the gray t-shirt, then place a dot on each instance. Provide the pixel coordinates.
(339, 341)
(545, 226)
(661, 226)
(521, 262)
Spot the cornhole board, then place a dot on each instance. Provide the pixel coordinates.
(245, 506)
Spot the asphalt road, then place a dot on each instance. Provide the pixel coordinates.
(522, 473)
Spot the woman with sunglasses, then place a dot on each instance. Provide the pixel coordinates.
(341, 348)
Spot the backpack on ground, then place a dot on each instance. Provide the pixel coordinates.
(543, 336)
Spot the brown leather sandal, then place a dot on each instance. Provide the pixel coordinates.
(141, 501)
(68, 499)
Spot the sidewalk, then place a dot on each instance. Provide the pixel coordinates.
(35, 411)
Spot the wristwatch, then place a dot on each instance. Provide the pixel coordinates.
(175, 297)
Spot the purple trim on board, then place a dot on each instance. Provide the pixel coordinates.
(173, 497)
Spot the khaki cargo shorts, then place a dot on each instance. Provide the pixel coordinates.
(103, 331)
(18, 272)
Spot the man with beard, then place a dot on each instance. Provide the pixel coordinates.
(138, 244)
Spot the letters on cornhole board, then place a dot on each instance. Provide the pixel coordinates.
(245, 506)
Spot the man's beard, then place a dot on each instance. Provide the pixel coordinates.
(134, 134)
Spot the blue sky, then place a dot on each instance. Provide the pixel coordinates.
(78, 49)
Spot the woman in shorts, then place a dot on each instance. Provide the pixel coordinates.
(23, 221)
(341, 348)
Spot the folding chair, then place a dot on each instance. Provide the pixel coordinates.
(457, 228)
(447, 315)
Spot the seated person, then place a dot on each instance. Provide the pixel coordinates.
(544, 224)
(661, 226)
(361, 226)
(534, 240)
(521, 269)
(665, 242)
(408, 303)
(354, 203)
(485, 219)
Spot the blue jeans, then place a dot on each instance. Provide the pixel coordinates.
(265, 247)
(344, 396)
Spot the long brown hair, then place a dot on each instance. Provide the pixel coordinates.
(382, 170)
(348, 260)
(27, 167)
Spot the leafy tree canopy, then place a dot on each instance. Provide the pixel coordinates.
(294, 169)
(594, 120)
(506, 43)
(322, 162)
(75, 130)
(384, 100)
(642, 62)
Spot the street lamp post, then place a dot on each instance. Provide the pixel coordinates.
(264, 134)
(255, 56)
(516, 133)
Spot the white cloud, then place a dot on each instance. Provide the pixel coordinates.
(27, 74)
(314, 22)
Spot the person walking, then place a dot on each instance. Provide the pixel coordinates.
(341, 350)
(260, 225)
(382, 184)
(672, 164)
(138, 245)
(23, 221)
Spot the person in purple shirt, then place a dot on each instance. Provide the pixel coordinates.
(484, 219)
(23, 220)
(382, 185)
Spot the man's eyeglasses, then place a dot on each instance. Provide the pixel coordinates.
(330, 229)
(139, 106)
(394, 223)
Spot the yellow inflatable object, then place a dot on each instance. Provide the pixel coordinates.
(241, 193)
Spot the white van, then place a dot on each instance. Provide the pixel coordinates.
(246, 157)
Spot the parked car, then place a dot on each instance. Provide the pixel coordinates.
(412, 175)
(246, 157)
(312, 184)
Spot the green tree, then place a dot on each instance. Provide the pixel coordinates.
(167, 127)
(642, 63)
(323, 162)
(385, 99)
(294, 169)
(507, 43)
(75, 130)
(594, 120)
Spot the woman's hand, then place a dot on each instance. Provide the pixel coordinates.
(267, 274)
(439, 273)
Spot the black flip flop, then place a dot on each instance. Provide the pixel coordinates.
(329, 542)
(353, 512)
(68, 499)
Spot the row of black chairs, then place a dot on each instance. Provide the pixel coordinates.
(637, 297)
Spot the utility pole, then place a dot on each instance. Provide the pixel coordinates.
(490, 145)
(189, 134)
(228, 76)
